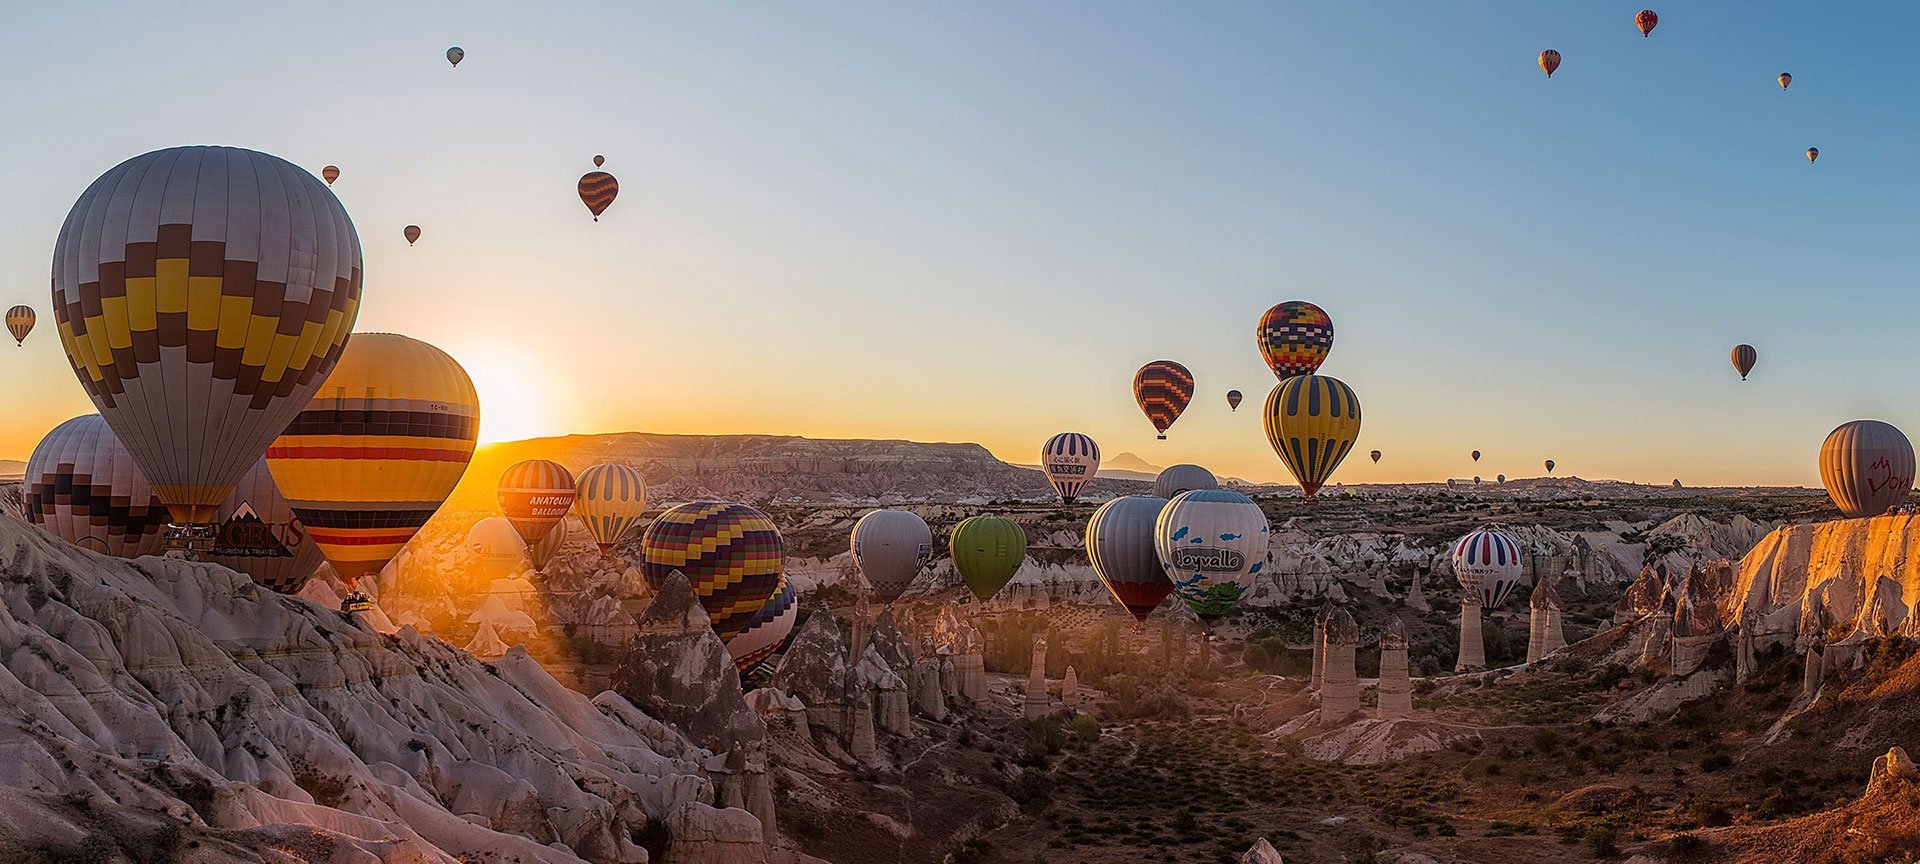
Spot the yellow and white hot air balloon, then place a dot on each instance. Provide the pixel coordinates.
(202, 295)
(611, 498)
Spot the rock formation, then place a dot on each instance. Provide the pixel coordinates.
(1320, 644)
(1696, 615)
(1262, 852)
(1473, 648)
(1893, 769)
(890, 692)
(705, 835)
(1036, 702)
(1340, 690)
(960, 642)
(678, 671)
(1416, 597)
(1846, 560)
(1544, 632)
(486, 644)
(1070, 690)
(816, 670)
(1396, 683)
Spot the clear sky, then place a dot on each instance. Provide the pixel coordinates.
(973, 221)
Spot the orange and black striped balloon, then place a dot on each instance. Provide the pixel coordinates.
(1743, 359)
(1163, 388)
(597, 191)
(19, 323)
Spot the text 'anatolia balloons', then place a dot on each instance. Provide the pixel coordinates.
(1549, 61)
(1312, 422)
(82, 486)
(1294, 338)
(1119, 542)
(1069, 460)
(378, 450)
(731, 554)
(330, 174)
(1743, 359)
(1212, 544)
(1162, 389)
(1487, 562)
(987, 551)
(257, 533)
(535, 495)
(597, 191)
(1646, 20)
(1867, 467)
(610, 499)
(890, 547)
(1175, 479)
(1233, 400)
(19, 323)
(202, 295)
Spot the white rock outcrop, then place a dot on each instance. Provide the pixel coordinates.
(1395, 690)
(1340, 690)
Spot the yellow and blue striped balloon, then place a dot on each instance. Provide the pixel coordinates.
(1312, 422)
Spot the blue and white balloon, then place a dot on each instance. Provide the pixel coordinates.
(1212, 543)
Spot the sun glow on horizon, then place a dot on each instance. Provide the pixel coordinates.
(513, 406)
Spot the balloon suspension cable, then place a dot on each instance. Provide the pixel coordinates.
(188, 542)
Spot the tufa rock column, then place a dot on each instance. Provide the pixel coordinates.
(1340, 689)
(1396, 684)
(1036, 702)
(1320, 644)
(1416, 598)
(1544, 635)
(1070, 690)
(1473, 650)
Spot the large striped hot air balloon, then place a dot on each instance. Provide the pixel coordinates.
(257, 533)
(1312, 422)
(1488, 561)
(1867, 467)
(378, 450)
(1294, 338)
(1743, 359)
(1176, 479)
(543, 550)
(1069, 460)
(1212, 544)
(610, 499)
(1120, 544)
(730, 553)
(597, 191)
(82, 486)
(1162, 388)
(890, 547)
(535, 495)
(987, 551)
(19, 323)
(767, 630)
(202, 295)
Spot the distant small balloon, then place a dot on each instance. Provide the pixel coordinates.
(19, 323)
(1549, 61)
(1376, 455)
(1743, 359)
(597, 190)
(455, 55)
(330, 174)
(1813, 153)
(1476, 455)
(1233, 399)
(1646, 21)
(599, 160)
(1785, 79)
(1549, 466)
(413, 233)
(1499, 478)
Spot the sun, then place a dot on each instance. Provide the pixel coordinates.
(513, 403)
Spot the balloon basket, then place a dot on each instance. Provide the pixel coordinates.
(188, 541)
(356, 601)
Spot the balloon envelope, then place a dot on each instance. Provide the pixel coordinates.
(731, 553)
(1785, 79)
(84, 488)
(1549, 464)
(1549, 61)
(1233, 400)
(330, 174)
(1312, 422)
(497, 547)
(1867, 467)
(378, 450)
(987, 551)
(1294, 338)
(1212, 544)
(1069, 460)
(1488, 561)
(1813, 153)
(455, 55)
(767, 630)
(202, 295)
(19, 323)
(599, 160)
(257, 533)
(1743, 359)
(412, 233)
(1376, 455)
(1176, 479)
(535, 495)
(610, 498)
(543, 551)
(890, 547)
(1162, 389)
(1646, 20)
(597, 190)
(1120, 543)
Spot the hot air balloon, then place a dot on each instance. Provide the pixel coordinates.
(767, 630)
(412, 233)
(1120, 544)
(597, 191)
(1294, 338)
(330, 174)
(1233, 400)
(610, 499)
(1476, 455)
(1162, 388)
(1488, 561)
(1785, 79)
(730, 553)
(1212, 543)
(202, 295)
(1813, 155)
(535, 495)
(1376, 455)
(84, 488)
(890, 547)
(377, 451)
(1069, 460)
(987, 551)
(1867, 467)
(497, 546)
(1312, 421)
(19, 323)
(1476, 479)
(599, 160)
(1183, 478)
(1549, 61)
(1646, 21)
(1499, 478)
(1549, 464)
(1743, 359)
(543, 551)
(257, 533)
(455, 55)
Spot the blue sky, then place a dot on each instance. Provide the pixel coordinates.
(972, 222)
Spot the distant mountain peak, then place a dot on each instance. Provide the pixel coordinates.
(1129, 462)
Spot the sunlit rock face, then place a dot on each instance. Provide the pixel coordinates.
(1862, 574)
(182, 688)
(677, 669)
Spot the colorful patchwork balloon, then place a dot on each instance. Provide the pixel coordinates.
(1162, 388)
(730, 553)
(1294, 338)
